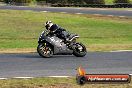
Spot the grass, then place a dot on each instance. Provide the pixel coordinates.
(54, 83)
(111, 1)
(21, 29)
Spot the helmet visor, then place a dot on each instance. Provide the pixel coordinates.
(47, 27)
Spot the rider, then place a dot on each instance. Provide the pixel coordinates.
(55, 29)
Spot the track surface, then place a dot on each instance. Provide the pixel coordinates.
(19, 65)
(32, 65)
(127, 13)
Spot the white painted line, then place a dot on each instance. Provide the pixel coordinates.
(114, 51)
(129, 10)
(110, 15)
(59, 76)
(125, 50)
(78, 13)
(63, 12)
(102, 9)
(122, 16)
(122, 51)
(23, 77)
(2, 78)
(44, 11)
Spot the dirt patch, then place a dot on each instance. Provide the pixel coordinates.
(18, 50)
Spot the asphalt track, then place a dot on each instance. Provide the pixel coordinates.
(32, 65)
(108, 12)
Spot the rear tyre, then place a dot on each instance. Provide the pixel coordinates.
(79, 50)
(44, 51)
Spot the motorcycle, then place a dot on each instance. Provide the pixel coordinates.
(49, 45)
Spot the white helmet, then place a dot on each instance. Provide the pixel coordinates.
(48, 24)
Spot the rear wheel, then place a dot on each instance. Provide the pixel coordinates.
(44, 50)
(79, 50)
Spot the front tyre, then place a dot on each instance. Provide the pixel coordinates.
(79, 50)
(44, 51)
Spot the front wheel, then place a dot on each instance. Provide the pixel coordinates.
(79, 50)
(44, 51)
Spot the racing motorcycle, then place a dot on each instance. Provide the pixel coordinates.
(49, 45)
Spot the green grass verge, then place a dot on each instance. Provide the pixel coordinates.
(54, 83)
(21, 29)
(111, 1)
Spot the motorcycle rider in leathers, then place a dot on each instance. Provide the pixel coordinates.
(55, 29)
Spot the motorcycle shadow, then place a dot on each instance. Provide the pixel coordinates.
(36, 55)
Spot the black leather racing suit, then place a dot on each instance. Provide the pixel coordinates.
(60, 32)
